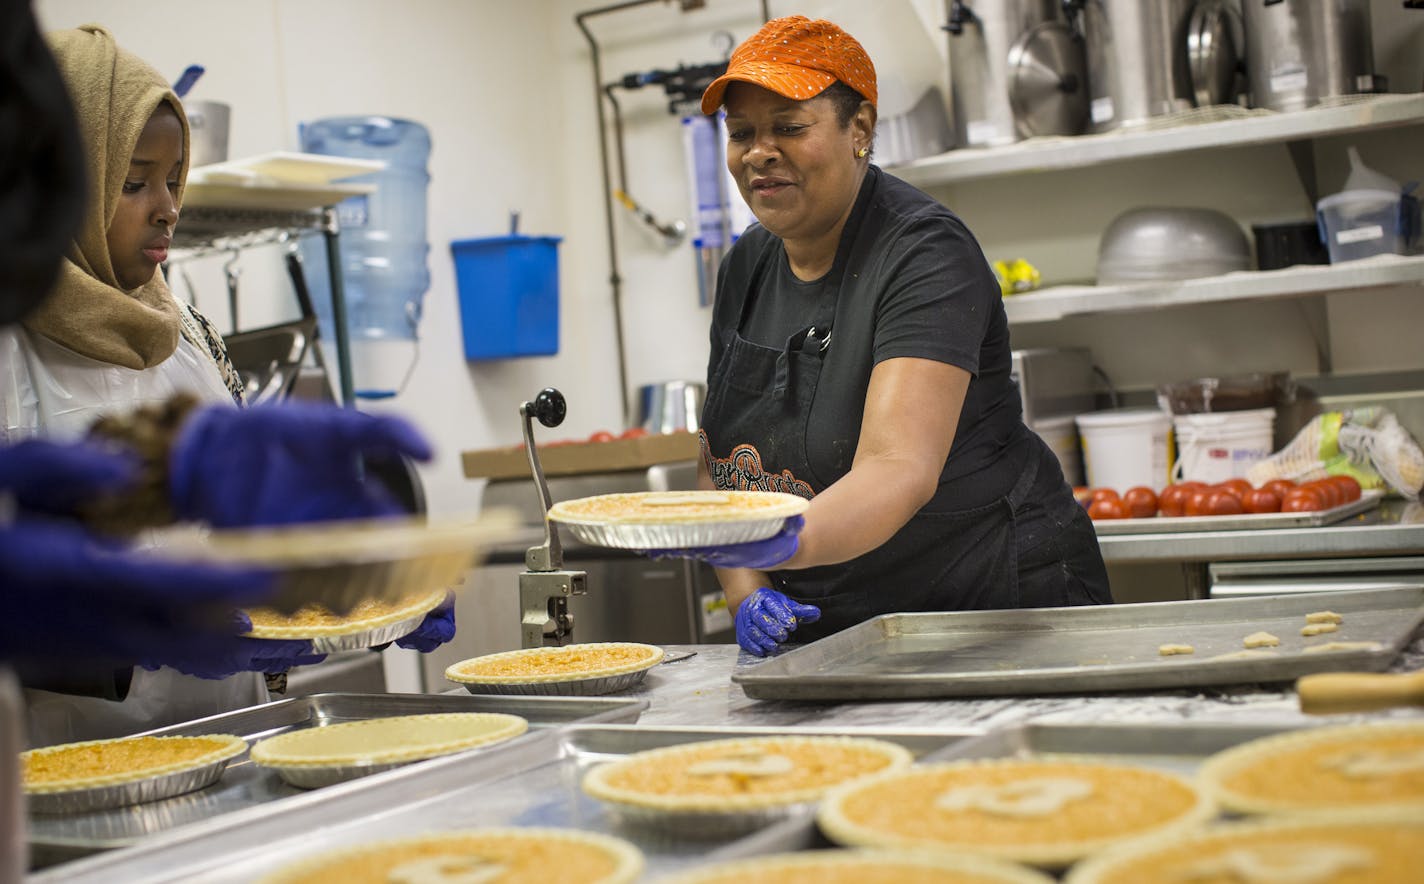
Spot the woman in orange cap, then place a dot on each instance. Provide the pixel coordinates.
(860, 358)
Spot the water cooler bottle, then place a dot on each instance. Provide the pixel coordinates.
(383, 248)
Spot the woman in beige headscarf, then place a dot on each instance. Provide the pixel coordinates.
(111, 337)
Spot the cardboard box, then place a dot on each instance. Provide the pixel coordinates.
(574, 458)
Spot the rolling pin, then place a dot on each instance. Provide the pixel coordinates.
(1329, 693)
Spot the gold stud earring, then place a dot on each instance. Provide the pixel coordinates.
(861, 154)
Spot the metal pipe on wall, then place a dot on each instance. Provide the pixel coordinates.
(615, 280)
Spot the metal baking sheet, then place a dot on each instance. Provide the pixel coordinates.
(1085, 649)
(533, 783)
(245, 785)
(1244, 522)
(1179, 747)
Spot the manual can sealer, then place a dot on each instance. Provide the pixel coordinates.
(545, 587)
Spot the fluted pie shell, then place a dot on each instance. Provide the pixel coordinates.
(1044, 812)
(1376, 766)
(864, 867)
(393, 739)
(95, 763)
(316, 621)
(666, 507)
(1344, 848)
(750, 773)
(548, 856)
(567, 663)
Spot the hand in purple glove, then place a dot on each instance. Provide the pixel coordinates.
(69, 597)
(766, 618)
(239, 654)
(758, 554)
(436, 629)
(53, 477)
(283, 464)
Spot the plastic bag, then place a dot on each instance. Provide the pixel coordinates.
(1367, 444)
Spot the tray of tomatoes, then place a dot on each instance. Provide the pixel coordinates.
(1232, 505)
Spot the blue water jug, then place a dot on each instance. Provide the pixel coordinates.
(383, 247)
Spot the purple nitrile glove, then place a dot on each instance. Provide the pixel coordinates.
(766, 618)
(284, 464)
(53, 477)
(758, 554)
(69, 596)
(436, 629)
(239, 654)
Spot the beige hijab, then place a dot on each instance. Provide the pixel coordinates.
(114, 92)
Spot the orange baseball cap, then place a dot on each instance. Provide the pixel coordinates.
(796, 57)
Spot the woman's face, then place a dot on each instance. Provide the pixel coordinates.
(792, 160)
(142, 228)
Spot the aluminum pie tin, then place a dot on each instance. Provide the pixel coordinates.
(558, 684)
(706, 825)
(339, 564)
(315, 774)
(675, 519)
(328, 639)
(104, 796)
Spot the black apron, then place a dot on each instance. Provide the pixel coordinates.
(969, 559)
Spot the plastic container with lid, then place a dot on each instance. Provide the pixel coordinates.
(1123, 448)
(1359, 224)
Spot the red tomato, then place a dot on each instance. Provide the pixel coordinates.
(1333, 494)
(1196, 502)
(1173, 501)
(1281, 487)
(1348, 485)
(1262, 500)
(1141, 502)
(1223, 503)
(633, 433)
(1238, 487)
(1105, 494)
(1107, 508)
(602, 436)
(1303, 499)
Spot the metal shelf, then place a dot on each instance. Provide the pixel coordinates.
(1057, 153)
(1046, 305)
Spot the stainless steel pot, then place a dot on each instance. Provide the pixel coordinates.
(1137, 60)
(207, 127)
(1015, 71)
(670, 406)
(1300, 52)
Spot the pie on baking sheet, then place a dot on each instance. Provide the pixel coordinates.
(95, 763)
(549, 856)
(662, 507)
(394, 739)
(1338, 849)
(567, 663)
(315, 621)
(1042, 812)
(741, 774)
(864, 867)
(1321, 769)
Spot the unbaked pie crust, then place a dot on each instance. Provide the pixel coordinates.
(1323, 769)
(669, 507)
(1043, 812)
(389, 740)
(750, 773)
(567, 663)
(315, 621)
(549, 856)
(864, 867)
(97, 763)
(1340, 849)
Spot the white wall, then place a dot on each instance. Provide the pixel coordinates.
(506, 89)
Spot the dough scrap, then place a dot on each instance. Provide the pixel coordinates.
(1172, 650)
(1260, 640)
(1318, 628)
(1324, 617)
(1344, 646)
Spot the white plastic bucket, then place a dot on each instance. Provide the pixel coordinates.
(1123, 448)
(1224, 444)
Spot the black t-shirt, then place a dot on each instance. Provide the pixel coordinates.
(916, 285)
